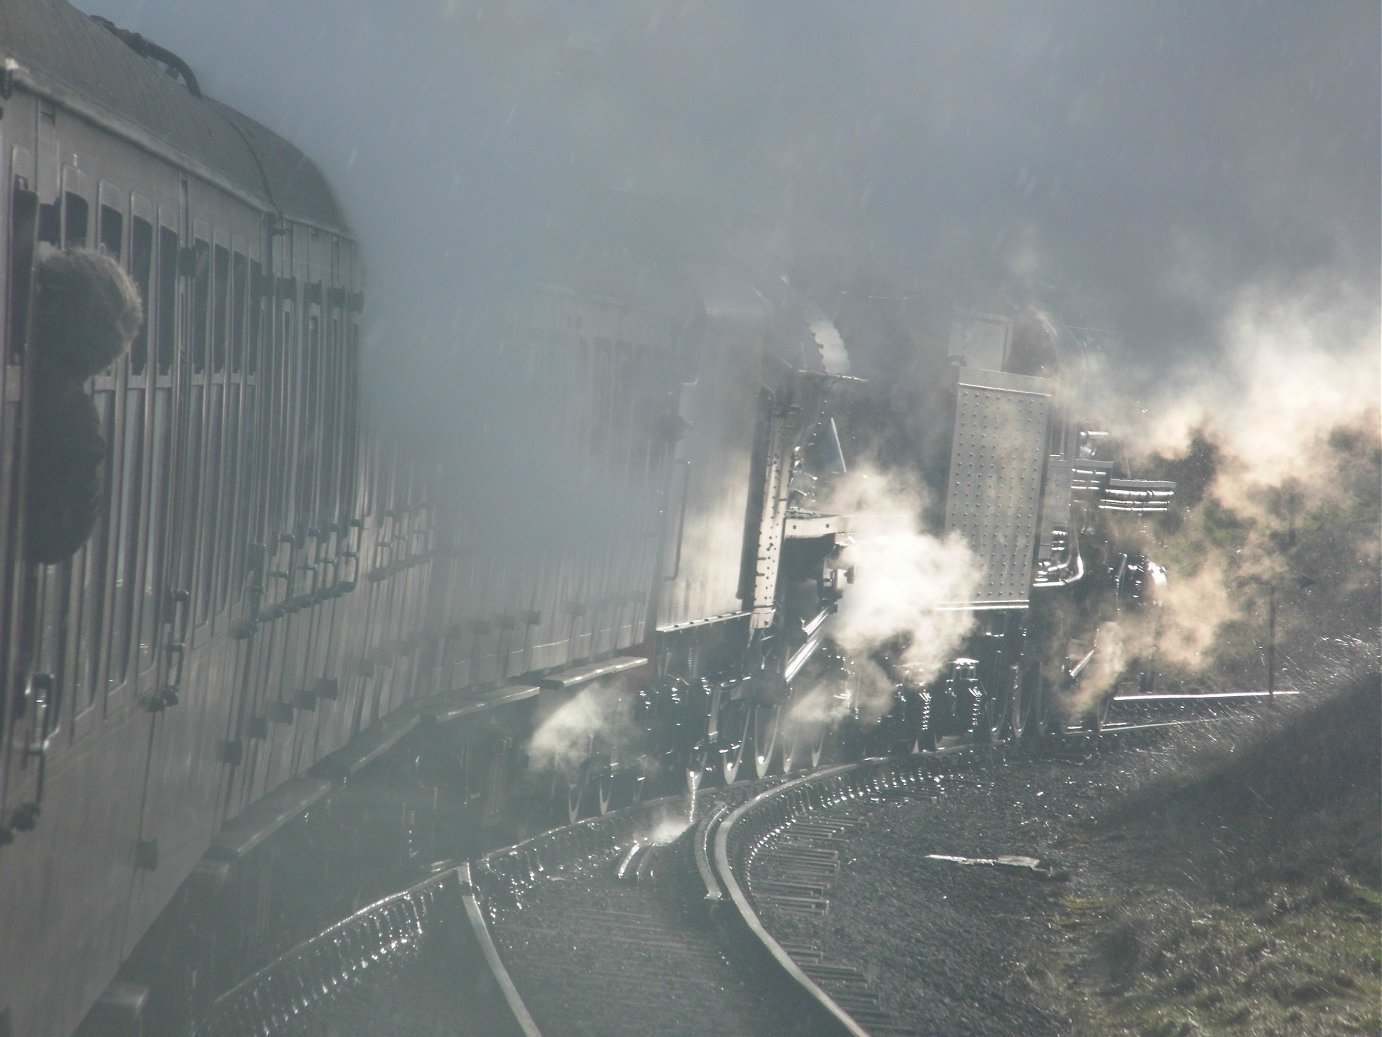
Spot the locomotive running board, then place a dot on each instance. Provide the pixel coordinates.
(445, 709)
(592, 671)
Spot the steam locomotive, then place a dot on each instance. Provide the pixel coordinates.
(263, 594)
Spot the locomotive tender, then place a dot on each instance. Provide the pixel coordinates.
(273, 594)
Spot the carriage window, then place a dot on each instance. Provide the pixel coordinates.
(141, 268)
(167, 298)
(220, 291)
(252, 481)
(256, 328)
(201, 303)
(328, 419)
(152, 569)
(282, 362)
(50, 224)
(128, 495)
(76, 213)
(112, 231)
(91, 568)
(235, 487)
(349, 418)
(310, 402)
(209, 503)
(239, 268)
(24, 217)
(194, 490)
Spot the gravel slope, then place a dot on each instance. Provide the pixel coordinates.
(1224, 881)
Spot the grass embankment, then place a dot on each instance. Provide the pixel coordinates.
(1246, 883)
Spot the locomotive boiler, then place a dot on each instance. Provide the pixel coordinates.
(634, 581)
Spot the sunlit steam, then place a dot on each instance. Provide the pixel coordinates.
(906, 583)
(1197, 605)
(1278, 446)
(1294, 368)
(1106, 659)
(566, 739)
(668, 828)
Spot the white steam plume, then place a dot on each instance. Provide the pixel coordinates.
(1295, 366)
(904, 579)
(565, 740)
(1290, 416)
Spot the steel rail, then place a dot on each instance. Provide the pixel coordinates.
(318, 968)
(725, 873)
(518, 1014)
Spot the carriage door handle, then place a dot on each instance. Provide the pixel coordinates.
(180, 605)
(180, 601)
(41, 692)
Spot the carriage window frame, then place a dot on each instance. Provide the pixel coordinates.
(220, 301)
(23, 244)
(201, 304)
(142, 272)
(166, 339)
(76, 219)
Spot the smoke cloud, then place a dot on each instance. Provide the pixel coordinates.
(1200, 181)
(1139, 164)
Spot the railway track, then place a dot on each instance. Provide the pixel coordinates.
(782, 850)
(647, 920)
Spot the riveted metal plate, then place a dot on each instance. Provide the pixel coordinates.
(997, 460)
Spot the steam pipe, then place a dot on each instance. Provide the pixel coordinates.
(811, 626)
(839, 450)
(799, 659)
(1067, 581)
(1078, 668)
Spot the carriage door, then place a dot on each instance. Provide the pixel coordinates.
(157, 573)
(163, 579)
(189, 387)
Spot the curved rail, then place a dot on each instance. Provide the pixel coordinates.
(725, 837)
(745, 831)
(830, 1011)
(523, 1024)
(388, 931)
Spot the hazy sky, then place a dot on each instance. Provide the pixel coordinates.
(1141, 164)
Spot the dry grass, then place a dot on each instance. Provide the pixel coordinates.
(1247, 897)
